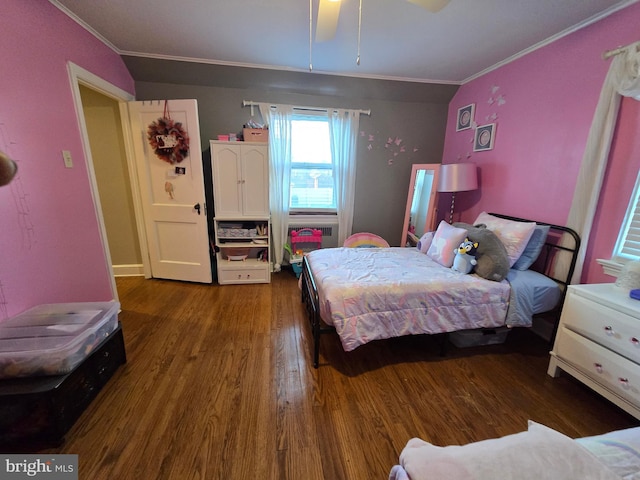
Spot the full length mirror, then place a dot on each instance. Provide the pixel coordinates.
(421, 202)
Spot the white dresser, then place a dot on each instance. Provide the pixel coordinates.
(598, 342)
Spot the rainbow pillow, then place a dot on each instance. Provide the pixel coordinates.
(365, 240)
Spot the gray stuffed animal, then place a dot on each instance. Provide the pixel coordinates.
(492, 258)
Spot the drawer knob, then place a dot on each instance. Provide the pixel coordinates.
(624, 382)
(635, 341)
(609, 330)
(598, 366)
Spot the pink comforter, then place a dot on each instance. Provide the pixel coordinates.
(375, 293)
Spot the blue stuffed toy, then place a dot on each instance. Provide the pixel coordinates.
(465, 258)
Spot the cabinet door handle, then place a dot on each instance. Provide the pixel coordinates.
(197, 208)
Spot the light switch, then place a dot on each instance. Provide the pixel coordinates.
(66, 156)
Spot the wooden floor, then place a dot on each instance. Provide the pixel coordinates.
(219, 384)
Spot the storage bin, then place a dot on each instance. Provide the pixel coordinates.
(297, 269)
(53, 339)
(237, 232)
(478, 337)
(255, 134)
(296, 263)
(38, 411)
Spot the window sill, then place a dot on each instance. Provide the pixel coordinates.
(610, 267)
(318, 219)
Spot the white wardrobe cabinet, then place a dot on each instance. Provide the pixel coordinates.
(241, 204)
(240, 178)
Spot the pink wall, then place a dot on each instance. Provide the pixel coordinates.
(51, 246)
(620, 177)
(543, 104)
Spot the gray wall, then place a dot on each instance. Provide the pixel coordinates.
(412, 115)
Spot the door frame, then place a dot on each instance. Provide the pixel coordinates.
(79, 76)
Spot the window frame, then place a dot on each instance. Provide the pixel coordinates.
(319, 116)
(631, 220)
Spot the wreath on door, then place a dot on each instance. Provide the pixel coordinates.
(170, 142)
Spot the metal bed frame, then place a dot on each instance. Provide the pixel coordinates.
(560, 241)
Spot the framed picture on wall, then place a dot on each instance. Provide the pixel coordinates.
(485, 135)
(465, 117)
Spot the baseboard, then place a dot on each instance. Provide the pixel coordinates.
(128, 270)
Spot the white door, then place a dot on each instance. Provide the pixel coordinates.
(173, 201)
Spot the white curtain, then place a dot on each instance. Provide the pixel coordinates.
(278, 118)
(343, 134)
(623, 78)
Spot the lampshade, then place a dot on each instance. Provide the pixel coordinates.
(458, 177)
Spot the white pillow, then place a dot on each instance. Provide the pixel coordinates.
(537, 454)
(446, 239)
(514, 235)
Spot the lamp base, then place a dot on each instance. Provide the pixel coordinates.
(453, 201)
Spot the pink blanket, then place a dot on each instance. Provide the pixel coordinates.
(375, 293)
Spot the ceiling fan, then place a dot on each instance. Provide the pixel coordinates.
(329, 11)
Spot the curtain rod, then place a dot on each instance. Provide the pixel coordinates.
(251, 103)
(619, 50)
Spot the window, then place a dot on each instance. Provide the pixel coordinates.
(312, 178)
(628, 244)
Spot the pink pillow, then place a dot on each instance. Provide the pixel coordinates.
(513, 235)
(446, 239)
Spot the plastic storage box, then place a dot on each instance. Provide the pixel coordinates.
(53, 339)
(37, 412)
(478, 337)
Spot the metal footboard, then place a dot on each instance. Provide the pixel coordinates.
(309, 296)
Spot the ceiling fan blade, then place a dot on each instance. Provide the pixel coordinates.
(431, 5)
(328, 13)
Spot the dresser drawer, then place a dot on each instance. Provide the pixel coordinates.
(612, 371)
(606, 326)
(243, 275)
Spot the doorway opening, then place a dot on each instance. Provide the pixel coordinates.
(99, 106)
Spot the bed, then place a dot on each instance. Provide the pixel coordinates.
(539, 453)
(366, 294)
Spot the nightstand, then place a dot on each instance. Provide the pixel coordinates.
(598, 343)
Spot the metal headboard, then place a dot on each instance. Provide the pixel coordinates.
(561, 242)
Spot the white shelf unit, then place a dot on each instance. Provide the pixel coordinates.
(255, 268)
(241, 204)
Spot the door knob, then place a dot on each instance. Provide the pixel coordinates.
(197, 207)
